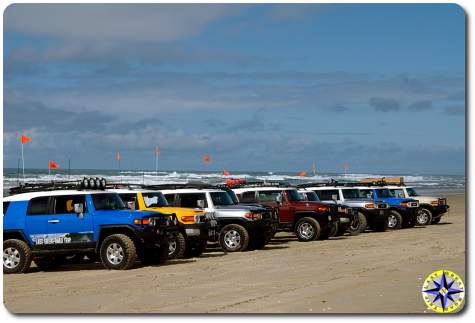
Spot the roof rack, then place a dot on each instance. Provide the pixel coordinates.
(257, 183)
(84, 184)
(333, 182)
(384, 181)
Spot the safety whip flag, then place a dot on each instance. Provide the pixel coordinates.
(23, 140)
(157, 151)
(52, 165)
(207, 159)
(302, 174)
(226, 173)
(117, 156)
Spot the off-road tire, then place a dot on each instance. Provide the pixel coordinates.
(24, 253)
(179, 243)
(258, 242)
(128, 252)
(424, 219)
(436, 220)
(361, 227)
(380, 226)
(394, 220)
(195, 249)
(229, 236)
(154, 256)
(311, 226)
(409, 222)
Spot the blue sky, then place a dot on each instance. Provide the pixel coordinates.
(258, 87)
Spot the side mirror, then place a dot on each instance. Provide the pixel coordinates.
(131, 205)
(79, 209)
(200, 204)
(334, 197)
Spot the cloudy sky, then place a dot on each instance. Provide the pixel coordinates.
(258, 87)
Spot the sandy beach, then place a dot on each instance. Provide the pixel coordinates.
(369, 273)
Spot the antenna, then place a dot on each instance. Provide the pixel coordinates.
(69, 168)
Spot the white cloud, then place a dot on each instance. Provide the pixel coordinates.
(117, 22)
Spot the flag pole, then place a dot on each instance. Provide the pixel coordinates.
(18, 172)
(23, 161)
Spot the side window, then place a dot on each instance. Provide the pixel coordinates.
(248, 197)
(5, 207)
(366, 193)
(268, 196)
(38, 205)
(191, 199)
(65, 204)
(129, 198)
(170, 199)
(326, 195)
(397, 193)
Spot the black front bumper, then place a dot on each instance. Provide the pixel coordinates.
(409, 214)
(438, 210)
(265, 227)
(158, 231)
(376, 216)
(208, 230)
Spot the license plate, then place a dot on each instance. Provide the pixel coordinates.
(211, 233)
(213, 223)
(381, 212)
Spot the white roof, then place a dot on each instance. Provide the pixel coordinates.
(191, 190)
(124, 190)
(29, 196)
(264, 188)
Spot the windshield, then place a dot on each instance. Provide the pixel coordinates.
(221, 198)
(384, 192)
(354, 193)
(294, 195)
(232, 195)
(154, 199)
(411, 191)
(312, 196)
(109, 201)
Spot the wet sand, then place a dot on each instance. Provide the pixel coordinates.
(370, 273)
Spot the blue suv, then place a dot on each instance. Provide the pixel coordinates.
(47, 227)
(403, 211)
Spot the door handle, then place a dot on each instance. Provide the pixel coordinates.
(53, 221)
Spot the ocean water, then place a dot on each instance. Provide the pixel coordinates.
(424, 183)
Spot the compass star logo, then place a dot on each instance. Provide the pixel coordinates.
(443, 291)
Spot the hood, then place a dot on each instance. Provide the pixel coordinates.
(307, 205)
(239, 207)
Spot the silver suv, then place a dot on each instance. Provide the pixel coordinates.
(240, 227)
(371, 213)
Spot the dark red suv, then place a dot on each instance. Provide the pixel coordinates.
(309, 220)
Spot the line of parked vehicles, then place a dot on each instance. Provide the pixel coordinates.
(117, 224)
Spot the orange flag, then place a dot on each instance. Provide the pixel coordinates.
(117, 156)
(24, 139)
(302, 174)
(226, 173)
(157, 151)
(53, 165)
(207, 158)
